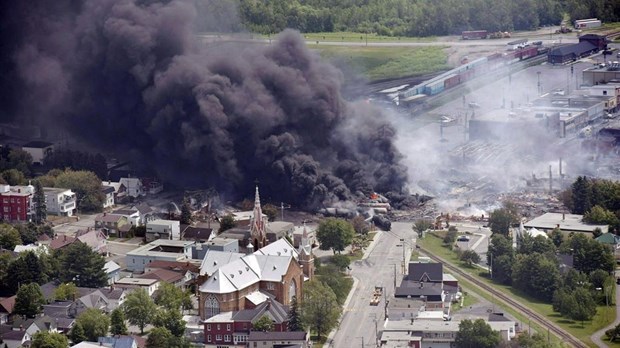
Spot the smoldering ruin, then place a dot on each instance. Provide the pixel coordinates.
(127, 77)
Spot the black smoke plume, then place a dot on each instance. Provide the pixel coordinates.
(129, 77)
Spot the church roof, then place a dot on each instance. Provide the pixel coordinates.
(215, 259)
(281, 247)
(248, 270)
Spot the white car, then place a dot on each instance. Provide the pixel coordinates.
(474, 105)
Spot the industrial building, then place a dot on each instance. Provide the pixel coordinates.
(565, 222)
(602, 74)
(588, 44)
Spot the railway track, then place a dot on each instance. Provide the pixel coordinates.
(541, 320)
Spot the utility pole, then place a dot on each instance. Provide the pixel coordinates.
(394, 277)
(376, 334)
(402, 240)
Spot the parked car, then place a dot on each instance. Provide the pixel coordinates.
(559, 92)
(474, 105)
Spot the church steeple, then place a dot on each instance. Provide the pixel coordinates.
(306, 259)
(257, 227)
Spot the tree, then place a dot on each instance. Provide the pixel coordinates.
(21, 161)
(29, 300)
(556, 237)
(139, 308)
(65, 291)
(226, 223)
(320, 310)
(82, 265)
(582, 195)
(28, 233)
(172, 320)
(500, 220)
(360, 225)
(585, 306)
(13, 177)
(77, 334)
(9, 237)
(335, 234)
(613, 334)
(420, 226)
(186, 212)
(271, 211)
(117, 322)
(600, 215)
(94, 322)
(27, 268)
(87, 187)
(588, 254)
(476, 334)
(169, 296)
(40, 208)
(264, 324)
(46, 339)
(536, 275)
(340, 261)
(500, 256)
(159, 337)
(294, 317)
(470, 257)
(534, 341)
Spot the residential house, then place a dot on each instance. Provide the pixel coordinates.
(38, 249)
(118, 342)
(115, 296)
(196, 233)
(110, 223)
(16, 203)
(234, 328)
(6, 308)
(177, 279)
(160, 249)
(38, 150)
(299, 339)
(62, 241)
(425, 281)
(132, 215)
(279, 229)
(189, 270)
(132, 186)
(108, 193)
(60, 201)
(163, 229)
(34, 325)
(113, 271)
(146, 213)
(95, 239)
(150, 285)
(609, 239)
(15, 338)
(152, 185)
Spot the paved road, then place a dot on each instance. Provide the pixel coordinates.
(598, 336)
(360, 319)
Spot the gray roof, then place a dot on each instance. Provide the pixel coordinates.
(143, 208)
(200, 233)
(417, 289)
(576, 49)
(117, 342)
(271, 308)
(428, 272)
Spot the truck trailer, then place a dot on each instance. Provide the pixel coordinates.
(474, 34)
(587, 23)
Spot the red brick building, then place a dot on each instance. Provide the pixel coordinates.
(16, 202)
(232, 329)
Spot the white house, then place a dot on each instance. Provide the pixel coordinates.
(163, 229)
(38, 150)
(60, 201)
(108, 192)
(112, 270)
(150, 285)
(133, 187)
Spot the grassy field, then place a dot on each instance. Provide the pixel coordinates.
(605, 315)
(378, 63)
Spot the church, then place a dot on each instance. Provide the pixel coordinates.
(274, 272)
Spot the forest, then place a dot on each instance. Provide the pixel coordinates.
(410, 17)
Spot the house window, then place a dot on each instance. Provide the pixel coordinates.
(245, 326)
(226, 338)
(604, 92)
(227, 327)
(271, 286)
(218, 337)
(208, 327)
(209, 338)
(218, 327)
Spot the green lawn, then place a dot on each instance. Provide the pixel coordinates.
(378, 63)
(605, 315)
(468, 300)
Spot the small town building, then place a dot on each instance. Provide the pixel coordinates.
(163, 229)
(148, 284)
(160, 249)
(16, 203)
(111, 224)
(565, 222)
(108, 193)
(60, 201)
(38, 150)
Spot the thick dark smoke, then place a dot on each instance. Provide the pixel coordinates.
(130, 78)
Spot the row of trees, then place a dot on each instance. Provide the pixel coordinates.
(415, 18)
(77, 263)
(598, 200)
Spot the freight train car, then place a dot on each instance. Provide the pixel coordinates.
(474, 34)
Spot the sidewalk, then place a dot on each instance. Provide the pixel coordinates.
(598, 336)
